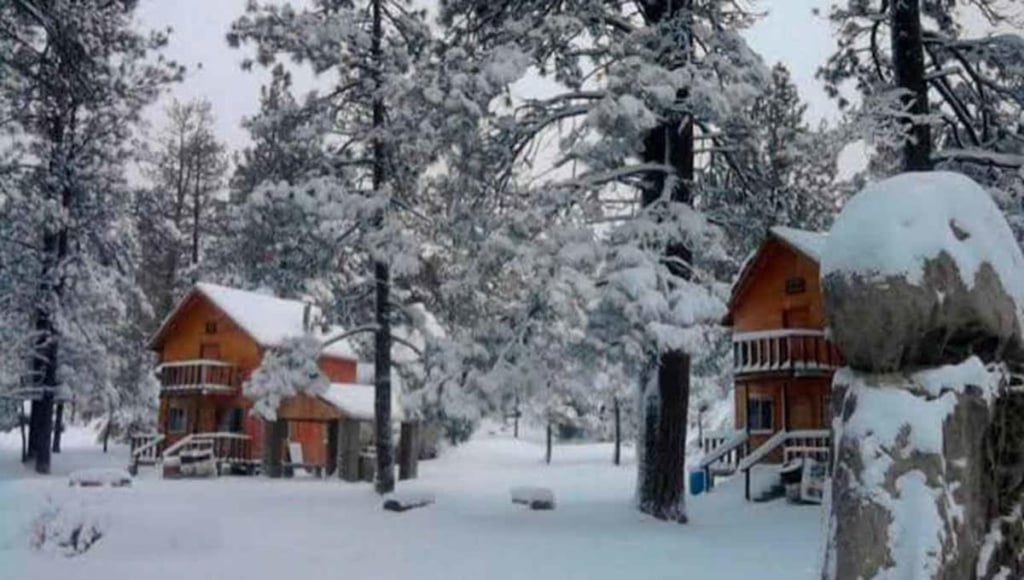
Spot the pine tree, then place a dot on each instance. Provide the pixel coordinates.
(74, 84)
(178, 212)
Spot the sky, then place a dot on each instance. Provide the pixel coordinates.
(789, 33)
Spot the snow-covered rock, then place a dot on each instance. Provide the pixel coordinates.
(921, 270)
(910, 494)
(69, 528)
(100, 477)
(538, 498)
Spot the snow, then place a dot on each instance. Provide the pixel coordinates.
(810, 244)
(269, 320)
(356, 401)
(894, 226)
(250, 527)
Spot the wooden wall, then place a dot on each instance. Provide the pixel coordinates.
(763, 300)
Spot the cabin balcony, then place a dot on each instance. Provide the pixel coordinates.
(201, 375)
(794, 351)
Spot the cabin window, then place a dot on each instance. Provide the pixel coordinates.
(232, 420)
(211, 327)
(796, 285)
(760, 413)
(177, 420)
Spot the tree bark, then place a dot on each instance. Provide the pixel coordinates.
(908, 69)
(58, 427)
(661, 483)
(385, 482)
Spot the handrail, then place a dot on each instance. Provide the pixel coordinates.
(737, 439)
(777, 439)
(155, 439)
(195, 440)
(198, 361)
(777, 333)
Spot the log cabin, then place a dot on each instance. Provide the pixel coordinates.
(783, 361)
(210, 344)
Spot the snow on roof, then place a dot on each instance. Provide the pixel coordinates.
(269, 320)
(356, 401)
(811, 244)
(896, 225)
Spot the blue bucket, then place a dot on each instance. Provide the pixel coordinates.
(697, 482)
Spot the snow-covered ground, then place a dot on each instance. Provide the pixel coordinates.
(254, 528)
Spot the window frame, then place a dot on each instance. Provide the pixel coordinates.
(760, 401)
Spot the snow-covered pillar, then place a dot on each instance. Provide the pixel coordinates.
(923, 284)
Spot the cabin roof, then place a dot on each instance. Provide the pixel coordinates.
(265, 318)
(806, 243)
(357, 401)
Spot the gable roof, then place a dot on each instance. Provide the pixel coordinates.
(266, 319)
(806, 243)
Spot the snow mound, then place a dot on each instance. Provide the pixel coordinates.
(100, 477)
(894, 226)
(407, 500)
(538, 498)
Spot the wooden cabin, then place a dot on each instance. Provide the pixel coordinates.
(782, 360)
(212, 341)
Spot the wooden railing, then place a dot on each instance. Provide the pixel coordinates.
(226, 447)
(723, 450)
(814, 443)
(201, 375)
(788, 350)
(145, 448)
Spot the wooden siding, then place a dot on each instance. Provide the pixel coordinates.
(762, 302)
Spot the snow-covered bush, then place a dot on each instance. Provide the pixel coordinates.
(68, 529)
(285, 371)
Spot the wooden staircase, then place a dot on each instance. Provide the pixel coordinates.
(812, 443)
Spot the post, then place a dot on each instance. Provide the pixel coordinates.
(547, 454)
(618, 432)
(409, 450)
(333, 434)
(348, 468)
(274, 434)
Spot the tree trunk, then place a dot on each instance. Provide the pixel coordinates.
(274, 435)
(409, 450)
(58, 427)
(617, 459)
(547, 453)
(197, 207)
(908, 68)
(661, 486)
(385, 482)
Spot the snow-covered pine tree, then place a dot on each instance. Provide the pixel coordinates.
(627, 78)
(972, 74)
(769, 167)
(74, 83)
(179, 210)
(383, 133)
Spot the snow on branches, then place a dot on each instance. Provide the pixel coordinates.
(286, 371)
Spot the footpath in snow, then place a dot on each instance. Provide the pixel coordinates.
(255, 528)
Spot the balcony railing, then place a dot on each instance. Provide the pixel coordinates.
(785, 350)
(208, 376)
